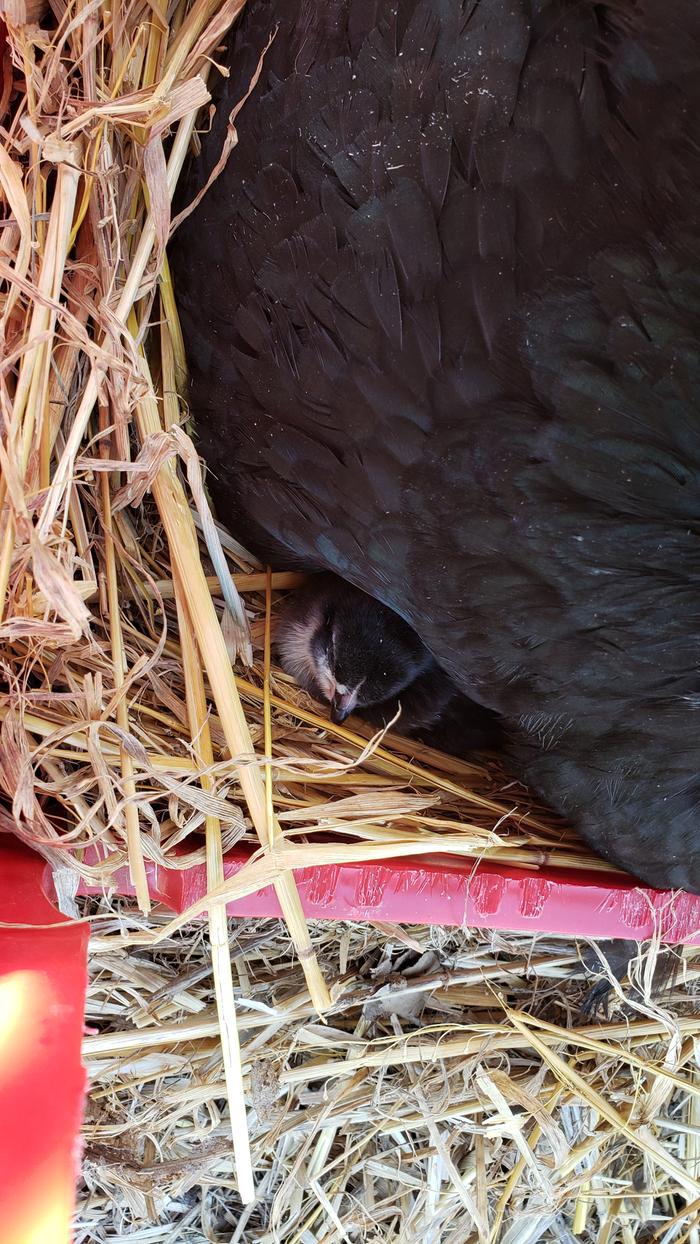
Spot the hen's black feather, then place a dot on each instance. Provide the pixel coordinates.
(442, 315)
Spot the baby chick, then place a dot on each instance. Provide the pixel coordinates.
(347, 649)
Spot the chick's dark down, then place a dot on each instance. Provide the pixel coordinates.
(441, 312)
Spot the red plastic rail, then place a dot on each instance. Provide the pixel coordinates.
(43, 977)
(446, 891)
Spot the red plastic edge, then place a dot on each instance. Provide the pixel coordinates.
(43, 978)
(453, 892)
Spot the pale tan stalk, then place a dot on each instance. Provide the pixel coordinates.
(182, 538)
(218, 925)
(137, 866)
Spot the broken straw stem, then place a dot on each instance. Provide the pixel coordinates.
(137, 866)
(218, 923)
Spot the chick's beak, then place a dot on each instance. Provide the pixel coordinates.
(342, 705)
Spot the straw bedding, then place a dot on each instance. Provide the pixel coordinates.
(516, 1123)
(144, 718)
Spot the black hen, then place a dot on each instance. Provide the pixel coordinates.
(442, 315)
(347, 649)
